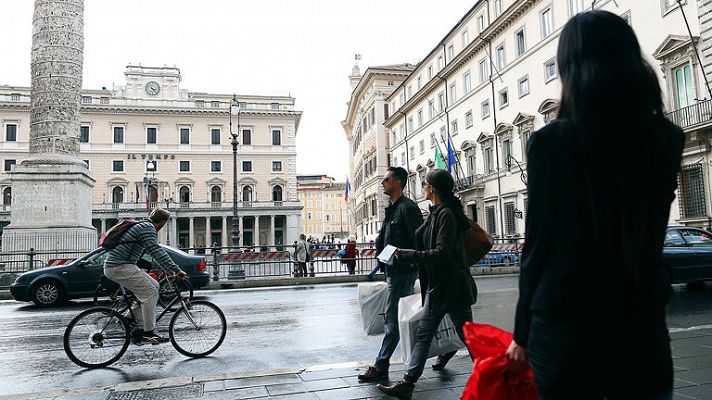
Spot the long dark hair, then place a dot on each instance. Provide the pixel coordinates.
(611, 103)
(442, 183)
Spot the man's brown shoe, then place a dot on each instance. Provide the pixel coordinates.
(373, 374)
(401, 390)
(442, 361)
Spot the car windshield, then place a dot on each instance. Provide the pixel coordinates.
(97, 259)
(695, 237)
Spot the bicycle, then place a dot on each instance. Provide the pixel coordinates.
(99, 336)
(110, 289)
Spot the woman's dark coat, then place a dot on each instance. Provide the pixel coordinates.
(442, 269)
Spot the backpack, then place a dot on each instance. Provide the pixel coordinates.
(477, 242)
(111, 238)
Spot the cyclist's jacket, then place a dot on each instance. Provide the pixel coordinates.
(137, 239)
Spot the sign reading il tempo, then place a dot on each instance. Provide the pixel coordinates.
(151, 156)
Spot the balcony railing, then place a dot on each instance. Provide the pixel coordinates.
(699, 113)
(470, 182)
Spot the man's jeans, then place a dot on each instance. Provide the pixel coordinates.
(398, 286)
(143, 287)
(424, 335)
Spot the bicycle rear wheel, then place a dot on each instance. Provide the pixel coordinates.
(97, 337)
(199, 330)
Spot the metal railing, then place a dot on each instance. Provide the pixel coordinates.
(469, 182)
(260, 262)
(698, 113)
(130, 206)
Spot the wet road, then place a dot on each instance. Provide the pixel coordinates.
(267, 329)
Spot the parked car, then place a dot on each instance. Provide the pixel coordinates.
(78, 279)
(499, 258)
(687, 253)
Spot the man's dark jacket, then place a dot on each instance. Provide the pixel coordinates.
(402, 219)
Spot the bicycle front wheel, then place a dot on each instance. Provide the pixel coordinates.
(97, 337)
(198, 331)
(166, 293)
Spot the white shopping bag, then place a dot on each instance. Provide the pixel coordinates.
(410, 312)
(372, 299)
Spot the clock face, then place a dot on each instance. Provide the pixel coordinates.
(152, 88)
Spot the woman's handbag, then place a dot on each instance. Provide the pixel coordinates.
(477, 242)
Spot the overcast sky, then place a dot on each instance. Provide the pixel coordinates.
(303, 48)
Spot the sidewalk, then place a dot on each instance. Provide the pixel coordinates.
(692, 353)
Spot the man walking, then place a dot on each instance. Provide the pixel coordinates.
(402, 218)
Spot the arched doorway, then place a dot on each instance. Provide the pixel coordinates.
(184, 194)
(152, 195)
(117, 195)
(247, 193)
(215, 194)
(277, 193)
(7, 196)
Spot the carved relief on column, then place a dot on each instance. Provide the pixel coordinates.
(56, 74)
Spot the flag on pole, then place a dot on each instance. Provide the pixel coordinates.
(148, 200)
(451, 160)
(346, 191)
(137, 193)
(439, 164)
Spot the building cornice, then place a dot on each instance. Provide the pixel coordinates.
(505, 20)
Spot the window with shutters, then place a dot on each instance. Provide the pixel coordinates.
(692, 191)
(215, 134)
(489, 220)
(151, 135)
(84, 134)
(11, 132)
(509, 218)
(118, 134)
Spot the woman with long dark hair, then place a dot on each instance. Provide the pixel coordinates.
(602, 176)
(445, 279)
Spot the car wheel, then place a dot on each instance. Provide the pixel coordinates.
(47, 293)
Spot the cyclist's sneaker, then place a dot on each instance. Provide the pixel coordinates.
(153, 338)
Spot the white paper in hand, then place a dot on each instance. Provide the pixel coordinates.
(387, 255)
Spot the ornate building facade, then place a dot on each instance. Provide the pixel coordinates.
(324, 214)
(151, 143)
(369, 144)
(492, 81)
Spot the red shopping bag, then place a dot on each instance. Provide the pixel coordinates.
(490, 378)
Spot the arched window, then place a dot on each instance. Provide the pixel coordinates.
(7, 196)
(117, 195)
(247, 193)
(215, 194)
(277, 193)
(184, 193)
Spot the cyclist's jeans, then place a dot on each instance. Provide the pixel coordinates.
(143, 287)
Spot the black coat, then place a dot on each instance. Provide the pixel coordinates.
(442, 268)
(569, 272)
(402, 219)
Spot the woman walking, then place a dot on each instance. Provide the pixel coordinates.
(593, 287)
(447, 286)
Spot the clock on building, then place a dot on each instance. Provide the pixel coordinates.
(152, 88)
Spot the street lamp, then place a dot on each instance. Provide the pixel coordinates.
(523, 175)
(238, 272)
(234, 109)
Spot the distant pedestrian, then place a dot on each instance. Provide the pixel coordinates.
(350, 257)
(446, 284)
(595, 328)
(398, 229)
(301, 250)
(310, 250)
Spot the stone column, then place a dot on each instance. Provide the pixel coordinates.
(224, 232)
(256, 232)
(242, 232)
(270, 239)
(52, 187)
(191, 233)
(208, 233)
(103, 225)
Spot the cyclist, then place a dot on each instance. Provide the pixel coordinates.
(121, 267)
